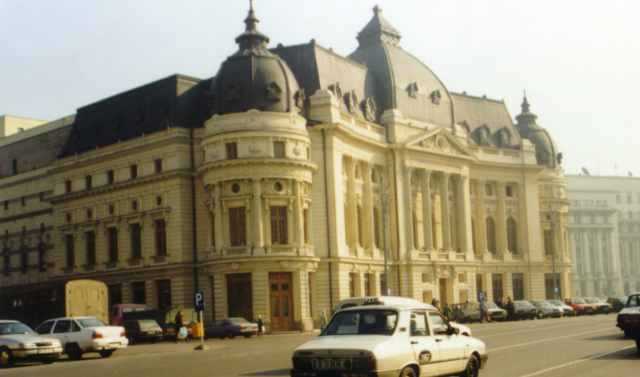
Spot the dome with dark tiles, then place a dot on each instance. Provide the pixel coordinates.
(253, 77)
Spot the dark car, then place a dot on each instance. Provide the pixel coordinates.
(232, 327)
(629, 319)
(143, 330)
(547, 310)
(617, 303)
(524, 310)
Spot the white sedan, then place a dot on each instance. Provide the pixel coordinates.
(81, 335)
(19, 342)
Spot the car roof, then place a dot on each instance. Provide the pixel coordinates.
(64, 318)
(384, 301)
(8, 321)
(390, 307)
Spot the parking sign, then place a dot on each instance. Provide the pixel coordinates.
(198, 301)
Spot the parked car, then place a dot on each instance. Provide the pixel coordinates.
(470, 312)
(80, 335)
(19, 342)
(580, 306)
(390, 340)
(629, 319)
(546, 310)
(524, 310)
(232, 327)
(118, 312)
(617, 303)
(567, 311)
(143, 330)
(600, 306)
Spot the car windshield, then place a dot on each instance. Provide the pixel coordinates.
(524, 304)
(90, 322)
(15, 328)
(363, 322)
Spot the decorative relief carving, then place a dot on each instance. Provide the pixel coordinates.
(273, 92)
(436, 96)
(413, 89)
(300, 98)
(351, 101)
(336, 90)
(370, 109)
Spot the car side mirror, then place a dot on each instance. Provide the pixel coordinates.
(452, 330)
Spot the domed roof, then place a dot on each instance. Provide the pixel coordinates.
(546, 150)
(401, 80)
(253, 77)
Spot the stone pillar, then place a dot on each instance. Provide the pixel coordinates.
(352, 224)
(217, 217)
(501, 220)
(367, 208)
(523, 245)
(427, 221)
(256, 214)
(464, 219)
(481, 217)
(299, 214)
(408, 203)
(444, 204)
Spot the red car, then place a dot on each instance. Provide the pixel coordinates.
(580, 306)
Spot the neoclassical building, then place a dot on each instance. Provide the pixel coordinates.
(293, 178)
(604, 234)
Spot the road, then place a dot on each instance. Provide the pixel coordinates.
(584, 346)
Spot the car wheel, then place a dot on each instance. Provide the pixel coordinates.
(6, 359)
(106, 353)
(638, 346)
(73, 351)
(409, 372)
(247, 336)
(473, 368)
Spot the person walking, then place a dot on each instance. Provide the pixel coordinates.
(510, 308)
(260, 326)
(484, 311)
(179, 323)
(446, 311)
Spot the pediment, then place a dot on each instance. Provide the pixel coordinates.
(440, 141)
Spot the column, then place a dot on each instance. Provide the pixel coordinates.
(523, 245)
(217, 217)
(352, 234)
(427, 221)
(501, 219)
(481, 216)
(298, 208)
(369, 224)
(444, 204)
(464, 221)
(409, 210)
(258, 231)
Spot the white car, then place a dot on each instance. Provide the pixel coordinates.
(85, 334)
(400, 340)
(19, 342)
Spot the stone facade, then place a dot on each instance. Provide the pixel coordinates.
(604, 231)
(279, 207)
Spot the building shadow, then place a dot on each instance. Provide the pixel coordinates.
(625, 354)
(269, 373)
(616, 337)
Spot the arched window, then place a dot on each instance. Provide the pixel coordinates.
(512, 235)
(491, 235)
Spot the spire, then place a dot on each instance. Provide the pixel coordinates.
(252, 41)
(525, 104)
(379, 30)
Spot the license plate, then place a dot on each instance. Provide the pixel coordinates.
(331, 364)
(45, 350)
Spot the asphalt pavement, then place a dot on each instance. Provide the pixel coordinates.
(585, 346)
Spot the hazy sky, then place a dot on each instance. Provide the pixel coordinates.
(578, 60)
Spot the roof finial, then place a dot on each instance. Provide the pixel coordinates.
(377, 10)
(525, 103)
(251, 21)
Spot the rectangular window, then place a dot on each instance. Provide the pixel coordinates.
(70, 249)
(279, 234)
(518, 286)
(305, 218)
(509, 191)
(232, 151)
(90, 244)
(24, 261)
(368, 285)
(6, 205)
(353, 279)
(139, 292)
(14, 166)
(157, 165)
(115, 294)
(133, 171)
(376, 228)
(136, 241)
(111, 178)
(237, 227)
(488, 189)
(112, 239)
(160, 228)
(496, 281)
(549, 248)
(6, 262)
(23, 201)
(67, 186)
(279, 149)
(42, 267)
(163, 288)
(552, 286)
(88, 182)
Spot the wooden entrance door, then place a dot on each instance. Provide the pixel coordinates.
(281, 294)
(444, 298)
